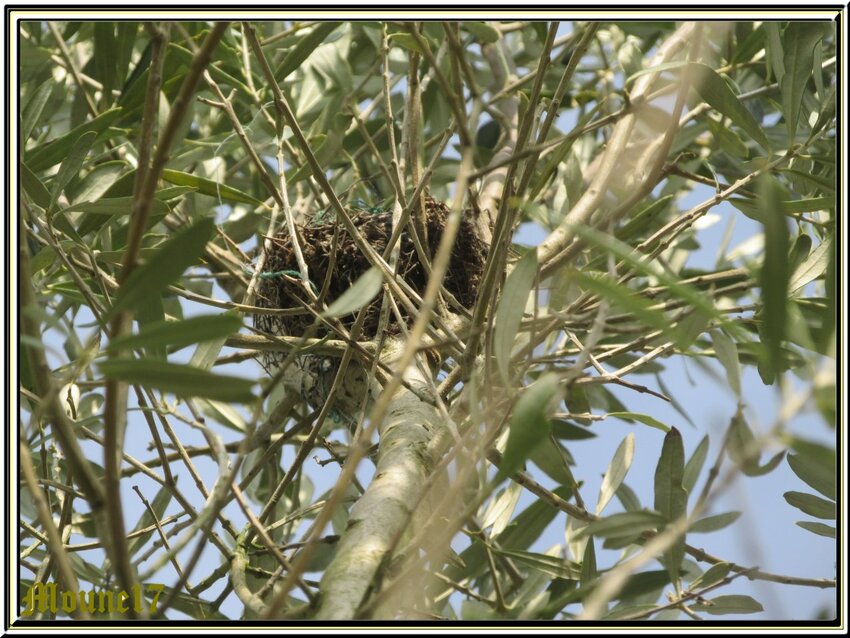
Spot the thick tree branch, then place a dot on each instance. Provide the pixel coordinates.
(384, 510)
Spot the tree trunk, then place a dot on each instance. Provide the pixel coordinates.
(387, 505)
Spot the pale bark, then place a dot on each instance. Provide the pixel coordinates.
(380, 516)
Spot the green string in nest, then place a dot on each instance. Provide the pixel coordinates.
(329, 214)
(279, 273)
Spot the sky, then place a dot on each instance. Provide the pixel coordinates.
(765, 535)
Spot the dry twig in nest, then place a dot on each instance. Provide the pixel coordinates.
(280, 287)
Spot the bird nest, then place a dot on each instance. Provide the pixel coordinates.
(327, 245)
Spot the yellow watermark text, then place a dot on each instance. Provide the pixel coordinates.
(47, 597)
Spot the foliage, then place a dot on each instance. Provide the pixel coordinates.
(157, 158)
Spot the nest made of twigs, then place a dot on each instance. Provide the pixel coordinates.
(326, 242)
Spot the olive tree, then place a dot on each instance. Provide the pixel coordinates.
(318, 319)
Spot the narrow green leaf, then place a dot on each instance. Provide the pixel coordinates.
(511, 308)
(51, 153)
(728, 141)
(320, 559)
(182, 380)
(617, 470)
(716, 92)
(34, 187)
(407, 41)
(659, 68)
(643, 219)
(223, 413)
(768, 467)
(178, 334)
(209, 187)
(694, 465)
(628, 498)
(628, 524)
(575, 544)
(811, 505)
(96, 182)
(749, 46)
(817, 528)
(104, 56)
(712, 575)
(775, 51)
(301, 51)
(501, 509)
(111, 206)
(813, 266)
(814, 473)
(643, 418)
(43, 258)
(589, 570)
(670, 494)
(131, 92)
(823, 184)
(817, 67)
(732, 604)
(644, 583)
(578, 402)
(830, 312)
(702, 303)
(70, 166)
(774, 275)
(117, 200)
(206, 353)
(126, 36)
(713, 523)
(807, 205)
(482, 31)
(34, 107)
(183, 57)
(164, 267)
(475, 610)
(529, 424)
(527, 527)
(827, 111)
(550, 565)
(88, 571)
(671, 498)
(627, 300)
(149, 313)
(551, 457)
(727, 354)
(754, 208)
(195, 608)
(799, 40)
(744, 450)
(361, 293)
(642, 609)
(570, 431)
(801, 249)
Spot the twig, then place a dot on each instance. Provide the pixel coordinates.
(54, 539)
(162, 535)
(116, 392)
